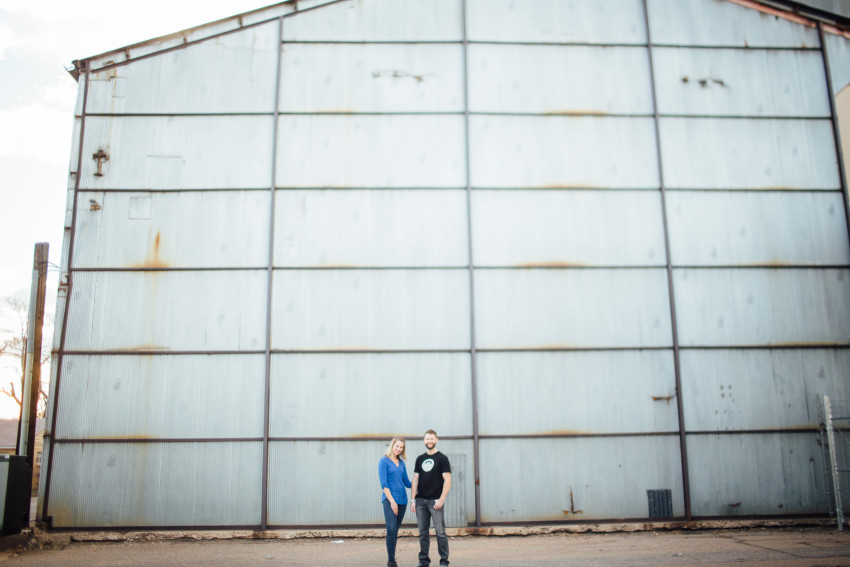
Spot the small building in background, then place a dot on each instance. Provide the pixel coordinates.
(601, 246)
(9, 440)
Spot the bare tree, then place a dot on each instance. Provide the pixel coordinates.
(15, 345)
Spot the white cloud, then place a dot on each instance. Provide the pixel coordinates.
(32, 131)
(8, 39)
(60, 93)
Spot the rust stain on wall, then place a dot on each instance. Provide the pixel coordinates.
(550, 265)
(153, 259)
(791, 17)
(576, 112)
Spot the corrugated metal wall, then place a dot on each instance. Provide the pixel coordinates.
(600, 247)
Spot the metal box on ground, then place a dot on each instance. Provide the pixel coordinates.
(15, 482)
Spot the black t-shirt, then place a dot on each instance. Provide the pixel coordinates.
(430, 469)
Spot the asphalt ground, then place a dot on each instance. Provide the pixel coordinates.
(783, 547)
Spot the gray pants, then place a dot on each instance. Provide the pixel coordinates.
(425, 512)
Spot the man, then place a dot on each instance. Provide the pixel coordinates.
(432, 479)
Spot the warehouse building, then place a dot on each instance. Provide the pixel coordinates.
(601, 246)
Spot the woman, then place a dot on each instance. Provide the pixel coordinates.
(393, 475)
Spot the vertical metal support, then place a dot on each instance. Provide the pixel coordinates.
(683, 448)
(833, 111)
(833, 462)
(842, 180)
(51, 434)
(264, 514)
(32, 375)
(471, 267)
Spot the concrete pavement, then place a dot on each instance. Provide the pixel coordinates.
(782, 547)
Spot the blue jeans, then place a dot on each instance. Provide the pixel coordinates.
(425, 512)
(393, 524)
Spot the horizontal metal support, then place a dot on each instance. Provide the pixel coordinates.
(415, 435)
(808, 429)
(579, 435)
(565, 114)
(124, 529)
(541, 266)
(765, 190)
(136, 440)
(460, 42)
(130, 352)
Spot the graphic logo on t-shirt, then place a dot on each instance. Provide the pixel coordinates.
(427, 465)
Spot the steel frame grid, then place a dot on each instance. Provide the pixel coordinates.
(466, 113)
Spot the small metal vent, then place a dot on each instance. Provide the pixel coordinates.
(660, 503)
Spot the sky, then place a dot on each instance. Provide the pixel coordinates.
(39, 39)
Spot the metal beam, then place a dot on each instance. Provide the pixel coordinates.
(683, 449)
(50, 429)
(471, 267)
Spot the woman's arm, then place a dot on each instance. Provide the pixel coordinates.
(404, 478)
(382, 475)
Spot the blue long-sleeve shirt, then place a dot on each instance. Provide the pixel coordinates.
(395, 478)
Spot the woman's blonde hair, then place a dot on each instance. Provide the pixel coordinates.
(389, 452)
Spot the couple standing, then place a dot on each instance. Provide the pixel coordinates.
(432, 479)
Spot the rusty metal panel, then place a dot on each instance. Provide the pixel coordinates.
(733, 82)
(378, 20)
(710, 22)
(371, 309)
(162, 397)
(558, 308)
(368, 382)
(156, 484)
(713, 153)
(229, 73)
(567, 228)
(756, 474)
(327, 501)
(370, 151)
(78, 104)
(719, 307)
(119, 230)
(562, 151)
(61, 296)
(540, 393)
(178, 152)
(75, 153)
(69, 203)
(577, 479)
(736, 390)
(42, 479)
(371, 78)
(371, 228)
(551, 79)
(838, 50)
(144, 311)
(556, 21)
(763, 228)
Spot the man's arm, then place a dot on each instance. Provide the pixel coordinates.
(447, 484)
(414, 484)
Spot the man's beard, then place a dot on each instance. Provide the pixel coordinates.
(430, 445)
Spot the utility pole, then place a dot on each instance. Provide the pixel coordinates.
(32, 374)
